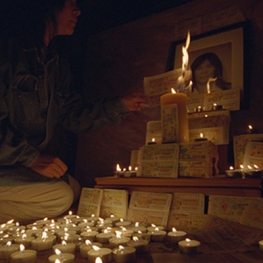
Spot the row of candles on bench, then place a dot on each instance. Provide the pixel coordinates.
(251, 171)
(95, 239)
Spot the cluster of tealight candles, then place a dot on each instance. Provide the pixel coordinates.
(110, 239)
(130, 172)
(251, 171)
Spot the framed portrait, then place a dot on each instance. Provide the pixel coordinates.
(223, 51)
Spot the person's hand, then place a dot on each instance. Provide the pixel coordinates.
(49, 166)
(135, 101)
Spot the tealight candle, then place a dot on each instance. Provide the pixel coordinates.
(24, 256)
(113, 219)
(253, 172)
(104, 237)
(233, 173)
(138, 228)
(126, 232)
(43, 243)
(124, 254)
(104, 253)
(175, 236)
(189, 246)
(201, 138)
(123, 223)
(8, 249)
(85, 248)
(65, 247)
(153, 227)
(118, 240)
(25, 240)
(140, 245)
(62, 257)
(89, 234)
(158, 235)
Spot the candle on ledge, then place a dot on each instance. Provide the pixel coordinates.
(124, 254)
(201, 138)
(174, 117)
(175, 236)
(24, 256)
(233, 173)
(253, 172)
(152, 141)
(189, 246)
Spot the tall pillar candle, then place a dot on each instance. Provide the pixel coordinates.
(174, 118)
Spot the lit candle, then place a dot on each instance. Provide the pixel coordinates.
(65, 247)
(43, 243)
(25, 240)
(104, 253)
(118, 240)
(89, 234)
(174, 117)
(137, 228)
(123, 223)
(24, 256)
(140, 245)
(201, 138)
(253, 172)
(85, 248)
(113, 219)
(62, 257)
(189, 246)
(124, 254)
(175, 236)
(8, 249)
(233, 173)
(104, 237)
(153, 227)
(152, 141)
(158, 235)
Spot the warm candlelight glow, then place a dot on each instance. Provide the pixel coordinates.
(88, 242)
(174, 230)
(57, 252)
(201, 135)
(231, 168)
(250, 127)
(136, 224)
(21, 247)
(98, 260)
(96, 248)
(153, 139)
(188, 240)
(136, 239)
(173, 91)
(118, 168)
(130, 168)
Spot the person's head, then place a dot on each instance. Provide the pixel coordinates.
(207, 65)
(57, 17)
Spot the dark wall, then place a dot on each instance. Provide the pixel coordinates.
(118, 59)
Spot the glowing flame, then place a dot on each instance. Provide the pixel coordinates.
(136, 239)
(173, 90)
(58, 252)
(188, 240)
(118, 168)
(57, 261)
(174, 230)
(64, 243)
(21, 247)
(96, 248)
(136, 224)
(153, 139)
(98, 260)
(88, 242)
(231, 168)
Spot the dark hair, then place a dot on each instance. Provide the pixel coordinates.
(216, 62)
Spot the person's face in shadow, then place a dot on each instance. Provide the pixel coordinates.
(205, 71)
(67, 18)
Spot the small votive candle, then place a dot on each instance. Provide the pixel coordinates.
(62, 257)
(123, 223)
(137, 228)
(43, 243)
(140, 245)
(89, 234)
(85, 248)
(233, 173)
(189, 246)
(104, 237)
(23, 256)
(118, 240)
(124, 254)
(25, 240)
(65, 247)
(8, 249)
(153, 227)
(104, 253)
(158, 235)
(175, 236)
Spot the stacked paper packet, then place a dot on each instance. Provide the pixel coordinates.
(198, 159)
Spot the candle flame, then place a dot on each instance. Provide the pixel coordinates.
(121, 247)
(201, 135)
(255, 166)
(9, 243)
(188, 240)
(136, 224)
(174, 230)
(250, 127)
(136, 239)
(64, 243)
(241, 166)
(231, 168)
(22, 247)
(57, 261)
(88, 242)
(58, 252)
(249, 167)
(130, 168)
(118, 234)
(153, 139)
(118, 168)
(173, 90)
(98, 260)
(96, 248)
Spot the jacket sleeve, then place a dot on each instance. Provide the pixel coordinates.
(80, 116)
(13, 147)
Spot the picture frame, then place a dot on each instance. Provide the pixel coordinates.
(229, 44)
